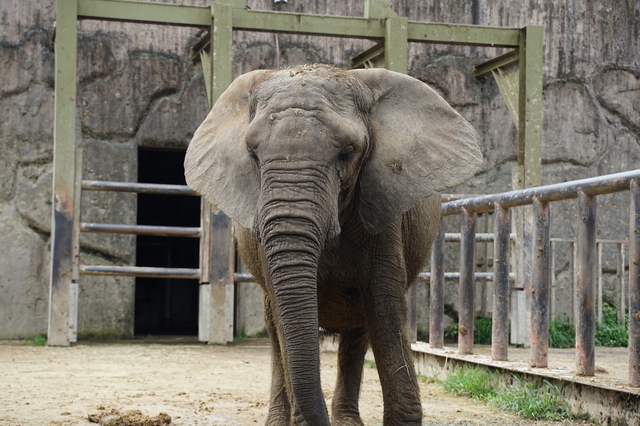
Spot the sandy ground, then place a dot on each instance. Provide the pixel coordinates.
(194, 384)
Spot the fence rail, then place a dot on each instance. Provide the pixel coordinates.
(140, 271)
(591, 187)
(158, 231)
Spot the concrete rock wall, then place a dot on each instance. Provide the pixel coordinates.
(137, 87)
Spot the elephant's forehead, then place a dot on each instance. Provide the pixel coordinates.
(309, 91)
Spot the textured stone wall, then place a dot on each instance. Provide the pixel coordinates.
(137, 87)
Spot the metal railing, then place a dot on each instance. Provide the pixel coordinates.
(161, 231)
(585, 191)
(619, 291)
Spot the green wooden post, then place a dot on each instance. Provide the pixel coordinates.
(530, 105)
(220, 277)
(529, 152)
(396, 44)
(64, 138)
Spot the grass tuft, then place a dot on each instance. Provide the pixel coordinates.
(527, 399)
(37, 340)
(533, 401)
(470, 382)
(562, 334)
(612, 333)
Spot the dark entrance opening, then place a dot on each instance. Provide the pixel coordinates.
(166, 306)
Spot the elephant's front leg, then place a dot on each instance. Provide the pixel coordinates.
(351, 352)
(279, 403)
(386, 316)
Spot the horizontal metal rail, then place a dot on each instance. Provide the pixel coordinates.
(422, 277)
(160, 231)
(141, 188)
(606, 184)
(140, 271)
(455, 276)
(453, 237)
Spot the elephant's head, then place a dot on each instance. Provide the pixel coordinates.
(283, 152)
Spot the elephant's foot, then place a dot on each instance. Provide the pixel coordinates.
(346, 421)
(277, 420)
(409, 415)
(279, 414)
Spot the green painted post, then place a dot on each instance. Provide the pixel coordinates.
(396, 44)
(530, 105)
(529, 147)
(221, 248)
(64, 145)
(221, 48)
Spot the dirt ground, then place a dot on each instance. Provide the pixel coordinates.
(192, 384)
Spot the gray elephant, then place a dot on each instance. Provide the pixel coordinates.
(332, 179)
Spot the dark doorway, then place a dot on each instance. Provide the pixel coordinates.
(166, 306)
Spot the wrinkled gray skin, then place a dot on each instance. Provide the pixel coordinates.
(331, 177)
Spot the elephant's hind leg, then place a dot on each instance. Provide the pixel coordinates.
(351, 352)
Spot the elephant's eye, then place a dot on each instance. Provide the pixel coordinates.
(346, 154)
(252, 154)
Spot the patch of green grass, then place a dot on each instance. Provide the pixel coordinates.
(562, 334)
(37, 340)
(482, 331)
(470, 382)
(533, 401)
(611, 332)
(371, 364)
(526, 399)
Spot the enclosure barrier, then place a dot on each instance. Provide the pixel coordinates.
(585, 191)
(160, 231)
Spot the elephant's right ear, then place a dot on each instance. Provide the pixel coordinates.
(217, 163)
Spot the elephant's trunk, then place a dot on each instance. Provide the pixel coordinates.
(294, 220)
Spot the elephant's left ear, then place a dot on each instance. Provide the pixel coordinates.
(421, 145)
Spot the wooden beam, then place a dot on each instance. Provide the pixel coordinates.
(64, 144)
(148, 12)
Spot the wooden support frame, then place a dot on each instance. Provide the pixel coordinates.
(379, 23)
(64, 165)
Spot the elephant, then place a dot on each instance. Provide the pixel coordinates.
(332, 179)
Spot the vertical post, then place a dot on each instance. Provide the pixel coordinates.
(436, 293)
(622, 294)
(540, 286)
(574, 282)
(221, 259)
(500, 316)
(599, 274)
(529, 167)
(396, 44)
(220, 275)
(412, 311)
(634, 287)
(530, 104)
(552, 271)
(74, 289)
(467, 282)
(64, 141)
(519, 300)
(585, 322)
